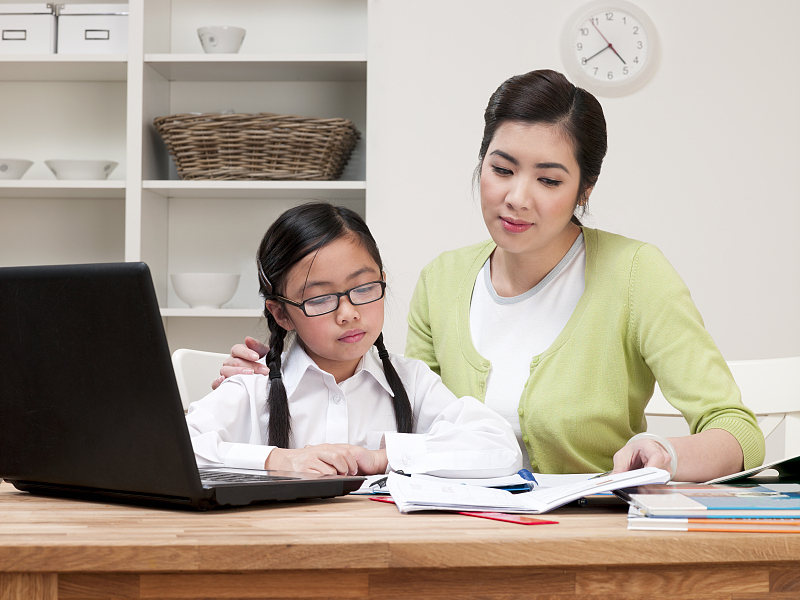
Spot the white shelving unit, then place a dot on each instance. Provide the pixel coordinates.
(304, 57)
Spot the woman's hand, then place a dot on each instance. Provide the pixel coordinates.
(328, 459)
(701, 457)
(243, 361)
(642, 453)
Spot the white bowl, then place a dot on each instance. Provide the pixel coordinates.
(205, 290)
(13, 168)
(221, 39)
(81, 169)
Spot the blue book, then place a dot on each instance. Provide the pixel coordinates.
(716, 500)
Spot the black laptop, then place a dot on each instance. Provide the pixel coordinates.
(89, 405)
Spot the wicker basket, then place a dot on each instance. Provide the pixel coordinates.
(257, 146)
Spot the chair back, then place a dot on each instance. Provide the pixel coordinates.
(771, 389)
(194, 371)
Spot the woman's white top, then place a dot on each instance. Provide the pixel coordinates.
(455, 437)
(509, 332)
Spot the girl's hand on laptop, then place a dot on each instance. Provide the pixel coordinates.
(243, 361)
(328, 459)
(370, 462)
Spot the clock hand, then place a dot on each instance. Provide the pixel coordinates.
(610, 45)
(596, 53)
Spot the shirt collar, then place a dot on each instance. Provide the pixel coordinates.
(296, 364)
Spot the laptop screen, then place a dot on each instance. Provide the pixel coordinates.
(87, 392)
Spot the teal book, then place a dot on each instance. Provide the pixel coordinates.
(774, 501)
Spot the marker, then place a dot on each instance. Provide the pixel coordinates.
(528, 476)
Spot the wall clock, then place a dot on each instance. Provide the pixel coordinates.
(610, 47)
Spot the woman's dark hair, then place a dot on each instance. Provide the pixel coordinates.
(295, 234)
(547, 97)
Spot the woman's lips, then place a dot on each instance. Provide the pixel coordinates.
(515, 226)
(351, 337)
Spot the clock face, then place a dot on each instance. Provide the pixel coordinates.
(610, 48)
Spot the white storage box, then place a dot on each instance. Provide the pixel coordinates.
(92, 28)
(27, 29)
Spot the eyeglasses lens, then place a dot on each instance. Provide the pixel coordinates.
(360, 295)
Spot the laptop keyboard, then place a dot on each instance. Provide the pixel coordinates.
(223, 477)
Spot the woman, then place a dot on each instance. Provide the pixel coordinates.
(563, 329)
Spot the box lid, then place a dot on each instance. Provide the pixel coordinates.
(92, 9)
(26, 9)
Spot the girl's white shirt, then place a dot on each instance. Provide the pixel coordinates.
(452, 437)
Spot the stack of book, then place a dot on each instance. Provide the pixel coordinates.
(743, 502)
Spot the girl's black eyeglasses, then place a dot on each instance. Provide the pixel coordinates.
(322, 305)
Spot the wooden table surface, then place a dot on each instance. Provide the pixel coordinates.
(352, 547)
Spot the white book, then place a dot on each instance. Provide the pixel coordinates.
(412, 495)
(378, 484)
(786, 467)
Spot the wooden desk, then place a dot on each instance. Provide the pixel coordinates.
(352, 547)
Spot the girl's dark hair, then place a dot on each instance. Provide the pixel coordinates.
(295, 234)
(547, 97)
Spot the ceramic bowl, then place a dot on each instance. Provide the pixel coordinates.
(221, 39)
(13, 168)
(205, 290)
(81, 169)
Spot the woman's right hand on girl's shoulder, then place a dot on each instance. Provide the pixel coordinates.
(243, 361)
(328, 459)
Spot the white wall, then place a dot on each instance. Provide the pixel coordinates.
(702, 161)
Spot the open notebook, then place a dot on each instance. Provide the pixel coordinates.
(89, 405)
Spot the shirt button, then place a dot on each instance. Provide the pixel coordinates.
(337, 399)
(535, 360)
(520, 411)
(525, 438)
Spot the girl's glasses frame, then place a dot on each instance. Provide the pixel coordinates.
(323, 305)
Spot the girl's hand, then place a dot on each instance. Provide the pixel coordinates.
(327, 459)
(642, 453)
(370, 462)
(243, 361)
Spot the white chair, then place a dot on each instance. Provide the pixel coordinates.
(194, 371)
(770, 388)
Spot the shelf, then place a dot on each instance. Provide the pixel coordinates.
(301, 58)
(212, 312)
(259, 67)
(15, 188)
(63, 67)
(290, 190)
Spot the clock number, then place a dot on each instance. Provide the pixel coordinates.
(580, 46)
(584, 31)
(611, 75)
(609, 16)
(636, 60)
(583, 61)
(595, 20)
(639, 45)
(624, 70)
(595, 70)
(635, 30)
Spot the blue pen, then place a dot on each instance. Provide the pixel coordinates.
(528, 476)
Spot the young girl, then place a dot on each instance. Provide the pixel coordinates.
(329, 404)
